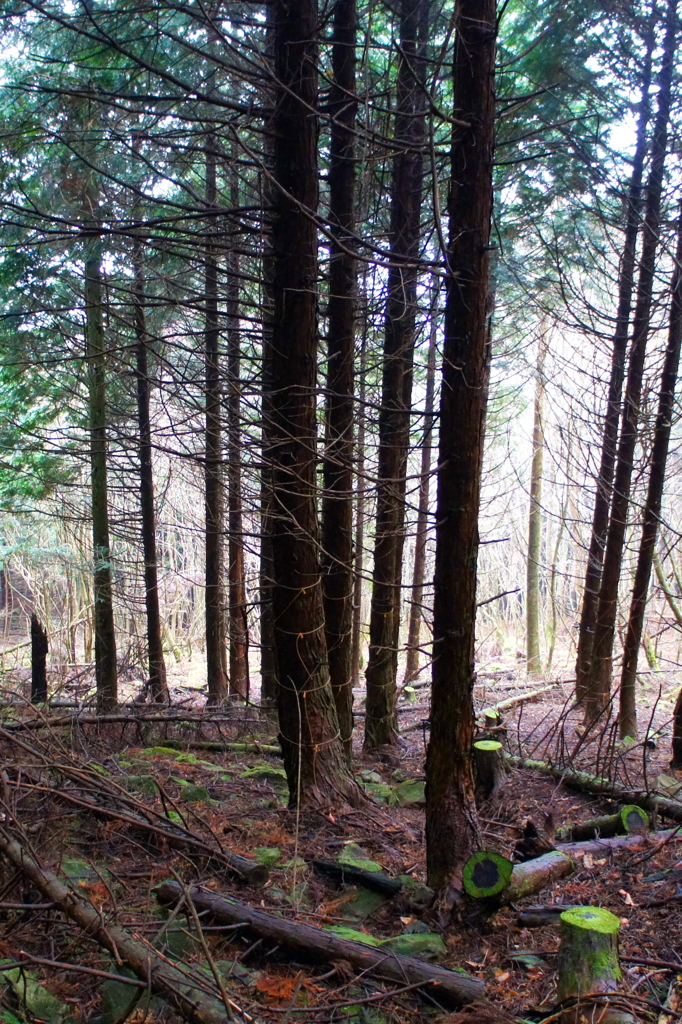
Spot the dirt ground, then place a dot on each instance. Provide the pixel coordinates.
(238, 798)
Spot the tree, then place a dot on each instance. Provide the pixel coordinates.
(396, 390)
(337, 512)
(652, 508)
(451, 823)
(533, 657)
(314, 757)
(599, 683)
(602, 501)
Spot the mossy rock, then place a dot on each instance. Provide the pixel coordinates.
(344, 932)
(37, 999)
(361, 903)
(193, 794)
(146, 784)
(426, 946)
(267, 855)
(355, 856)
(166, 752)
(410, 793)
(379, 791)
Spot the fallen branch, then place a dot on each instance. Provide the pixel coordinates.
(602, 787)
(630, 818)
(373, 880)
(218, 747)
(632, 842)
(446, 986)
(32, 724)
(520, 698)
(165, 980)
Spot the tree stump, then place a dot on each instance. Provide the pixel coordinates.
(628, 819)
(588, 967)
(39, 648)
(489, 769)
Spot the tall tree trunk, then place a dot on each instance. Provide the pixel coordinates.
(314, 758)
(599, 683)
(216, 633)
(360, 492)
(451, 822)
(158, 684)
(268, 666)
(238, 621)
(337, 508)
(533, 658)
(105, 637)
(421, 533)
(396, 390)
(652, 507)
(602, 501)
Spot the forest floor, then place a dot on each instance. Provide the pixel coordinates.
(238, 798)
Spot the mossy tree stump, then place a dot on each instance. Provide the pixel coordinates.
(628, 819)
(489, 768)
(588, 966)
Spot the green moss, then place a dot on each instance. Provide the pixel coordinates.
(593, 919)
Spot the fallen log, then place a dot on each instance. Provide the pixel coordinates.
(588, 783)
(446, 986)
(631, 842)
(492, 878)
(519, 698)
(539, 917)
(165, 980)
(216, 745)
(346, 873)
(32, 724)
(630, 818)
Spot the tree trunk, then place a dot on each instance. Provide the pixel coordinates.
(216, 646)
(533, 658)
(337, 509)
(396, 390)
(451, 823)
(421, 533)
(652, 508)
(599, 687)
(39, 649)
(105, 637)
(158, 684)
(602, 501)
(313, 753)
(268, 667)
(238, 621)
(360, 493)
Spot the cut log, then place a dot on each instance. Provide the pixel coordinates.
(346, 873)
(484, 871)
(486, 874)
(39, 648)
(632, 842)
(630, 818)
(166, 981)
(533, 875)
(540, 917)
(447, 987)
(588, 966)
(588, 783)
(489, 769)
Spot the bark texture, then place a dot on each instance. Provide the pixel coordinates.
(39, 649)
(314, 758)
(337, 511)
(216, 646)
(106, 675)
(451, 823)
(599, 683)
(158, 684)
(421, 533)
(533, 658)
(238, 621)
(396, 388)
